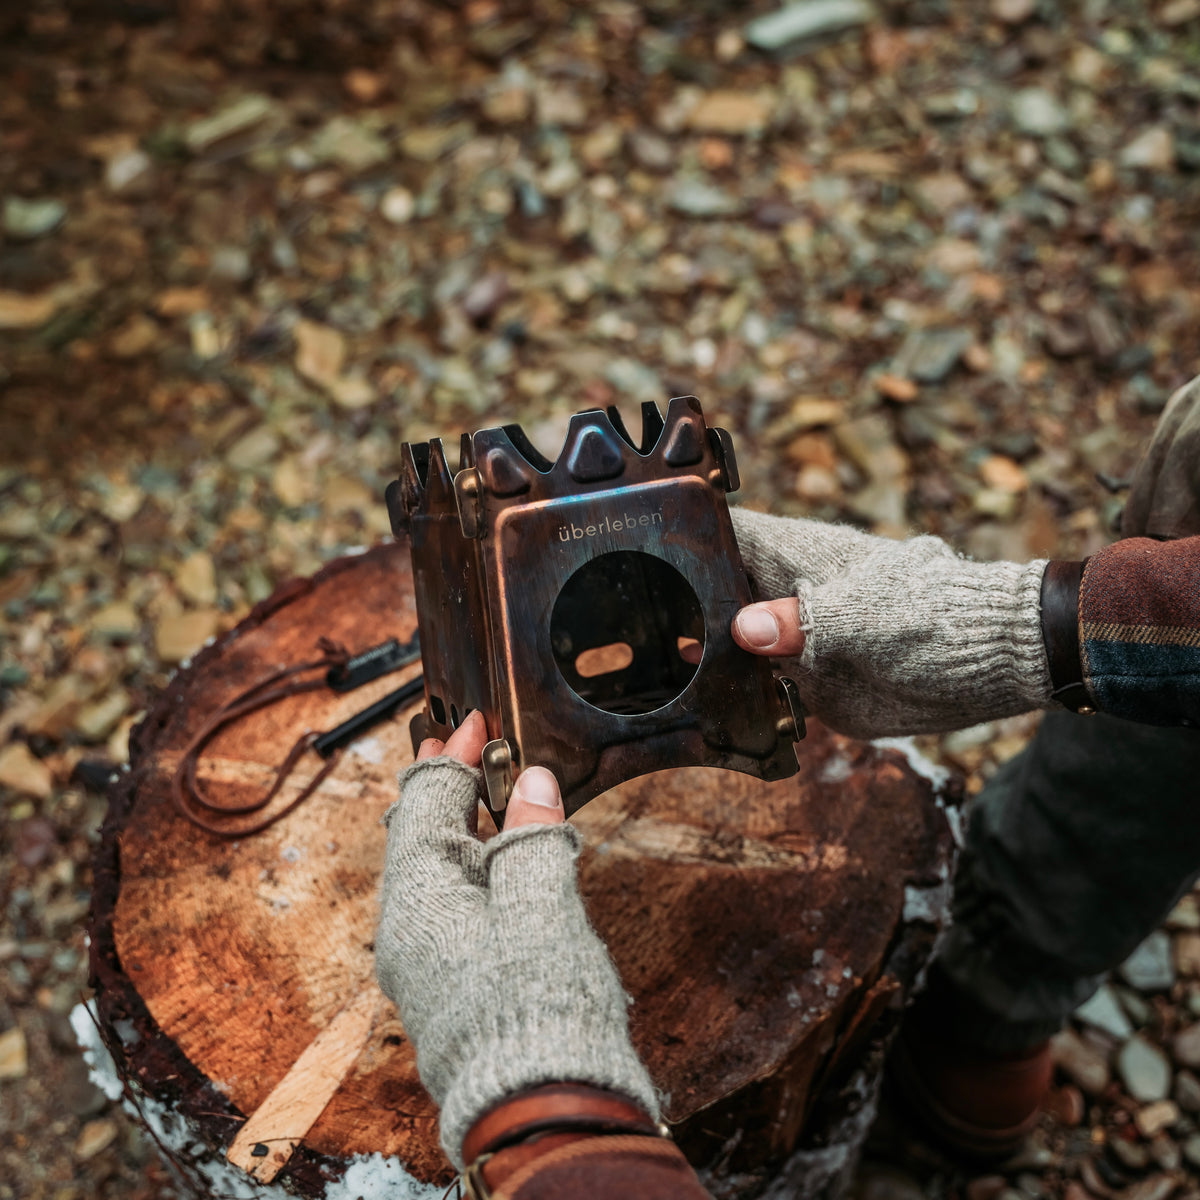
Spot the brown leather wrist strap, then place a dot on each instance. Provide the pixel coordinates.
(631, 1167)
(555, 1107)
(524, 1127)
(1060, 633)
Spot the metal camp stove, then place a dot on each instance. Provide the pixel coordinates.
(583, 606)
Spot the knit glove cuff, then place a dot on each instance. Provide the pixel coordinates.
(917, 640)
(487, 952)
(902, 637)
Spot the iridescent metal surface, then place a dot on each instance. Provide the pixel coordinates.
(584, 605)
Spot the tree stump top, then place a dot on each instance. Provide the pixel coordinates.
(760, 928)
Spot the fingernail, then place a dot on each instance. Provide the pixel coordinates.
(758, 627)
(536, 785)
(429, 748)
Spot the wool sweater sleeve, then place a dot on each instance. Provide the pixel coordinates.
(1139, 630)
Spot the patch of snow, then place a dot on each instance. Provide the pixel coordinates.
(938, 776)
(369, 748)
(930, 905)
(373, 1177)
(954, 818)
(835, 769)
(101, 1069)
(813, 1174)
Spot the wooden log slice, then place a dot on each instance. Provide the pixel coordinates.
(760, 928)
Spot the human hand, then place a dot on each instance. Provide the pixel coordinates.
(1164, 499)
(536, 801)
(885, 637)
(485, 948)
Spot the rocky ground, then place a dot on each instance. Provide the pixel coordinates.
(935, 267)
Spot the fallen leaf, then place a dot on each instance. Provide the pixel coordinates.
(178, 638)
(1003, 474)
(320, 351)
(14, 1056)
(94, 1137)
(19, 311)
(896, 387)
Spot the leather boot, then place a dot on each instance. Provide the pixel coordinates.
(976, 1104)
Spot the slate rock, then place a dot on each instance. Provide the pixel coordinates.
(1191, 1150)
(1186, 1092)
(1156, 1187)
(178, 638)
(1107, 337)
(696, 198)
(1187, 954)
(126, 171)
(806, 19)
(1144, 1070)
(929, 355)
(1185, 915)
(1104, 1012)
(253, 449)
(1154, 1118)
(97, 720)
(1012, 12)
(237, 117)
(1133, 1156)
(1066, 337)
(650, 151)
(117, 621)
(398, 205)
(79, 1095)
(1186, 1047)
(29, 219)
(320, 351)
(1033, 1155)
(95, 1137)
(1153, 150)
(635, 379)
(1165, 1152)
(1139, 1010)
(349, 143)
(1035, 111)
(24, 773)
(1187, 151)
(1149, 968)
(36, 841)
(732, 113)
(485, 295)
(196, 578)
(14, 1055)
(1080, 1061)
(1066, 1105)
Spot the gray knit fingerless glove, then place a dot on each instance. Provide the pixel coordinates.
(901, 637)
(486, 951)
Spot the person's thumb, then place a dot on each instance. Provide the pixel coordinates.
(772, 627)
(535, 800)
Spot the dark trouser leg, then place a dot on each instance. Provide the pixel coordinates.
(1075, 851)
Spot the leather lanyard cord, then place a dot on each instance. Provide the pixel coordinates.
(186, 791)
